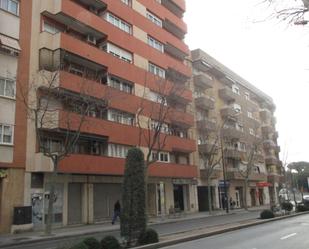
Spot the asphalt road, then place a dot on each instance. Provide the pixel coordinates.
(284, 234)
(162, 229)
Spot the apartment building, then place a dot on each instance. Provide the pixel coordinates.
(125, 56)
(235, 126)
(12, 118)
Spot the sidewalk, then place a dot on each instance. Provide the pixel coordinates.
(75, 231)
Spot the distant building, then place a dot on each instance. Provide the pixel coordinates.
(231, 109)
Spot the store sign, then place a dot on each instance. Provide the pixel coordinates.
(184, 181)
(263, 184)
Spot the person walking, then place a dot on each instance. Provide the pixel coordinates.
(117, 209)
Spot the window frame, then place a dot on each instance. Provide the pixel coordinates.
(154, 43)
(2, 134)
(158, 71)
(118, 22)
(154, 19)
(5, 88)
(5, 5)
(161, 155)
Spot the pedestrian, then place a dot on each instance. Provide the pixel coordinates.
(117, 209)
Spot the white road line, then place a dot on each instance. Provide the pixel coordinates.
(288, 236)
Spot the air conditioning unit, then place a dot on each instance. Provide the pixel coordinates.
(91, 39)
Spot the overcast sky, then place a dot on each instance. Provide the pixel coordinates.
(273, 56)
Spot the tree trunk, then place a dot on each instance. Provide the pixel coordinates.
(209, 196)
(245, 194)
(50, 210)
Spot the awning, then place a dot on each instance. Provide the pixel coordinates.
(9, 42)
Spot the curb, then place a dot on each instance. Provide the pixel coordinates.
(220, 231)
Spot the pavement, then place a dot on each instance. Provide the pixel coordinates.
(238, 222)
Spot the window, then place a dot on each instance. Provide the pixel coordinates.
(118, 52)
(239, 127)
(156, 20)
(7, 88)
(155, 44)
(250, 115)
(127, 2)
(156, 97)
(247, 96)
(11, 6)
(118, 150)
(120, 84)
(235, 89)
(242, 146)
(50, 28)
(156, 70)
(120, 117)
(6, 134)
(155, 125)
(237, 108)
(163, 157)
(118, 22)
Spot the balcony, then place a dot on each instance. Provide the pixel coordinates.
(232, 153)
(216, 173)
(228, 112)
(206, 124)
(271, 160)
(173, 29)
(269, 144)
(95, 6)
(274, 178)
(267, 129)
(227, 94)
(205, 102)
(232, 133)
(174, 52)
(235, 175)
(208, 148)
(175, 6)
(202, 65)
(173, 170)
(202, 81)
(265, 115)
(176, 76)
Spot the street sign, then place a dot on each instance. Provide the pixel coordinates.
(221, 183)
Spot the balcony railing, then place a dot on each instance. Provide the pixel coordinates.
(271, 160)
(236, 175)
(175, 6)
(232, 133)
(216, 173)
(174, 29)
(206, 124)
(208, 148)
(175, 52)
(232, 153)
(205, 102)
(228, 112)
(227, 94)
(203, 81)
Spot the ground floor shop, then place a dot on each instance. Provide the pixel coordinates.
(231, 193)
(84, 199)
(11, 195)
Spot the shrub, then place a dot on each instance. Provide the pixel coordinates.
(287, 206)
(92, 243)
(148, 237)
(267, 214)
(110, 242)
(302, 208)
(80, 245)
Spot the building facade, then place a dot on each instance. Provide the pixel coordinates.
(236, 136)
(12, 115)
(127, 57)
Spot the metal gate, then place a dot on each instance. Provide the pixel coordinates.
(104, 198)
(75, 203)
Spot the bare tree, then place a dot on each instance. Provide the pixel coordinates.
(250, 158)
(210, 159)
(154, 118)
(292, 12)
(58, 115)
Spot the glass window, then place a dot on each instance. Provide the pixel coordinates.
(6, 134)
(10, 6)
(153, 18)
(7, 88)
(163, 157)
(235, 89)
(118, 22)
(156, 70)
(119, 53)
(155, 44)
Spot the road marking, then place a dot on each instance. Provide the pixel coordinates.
(288, 236)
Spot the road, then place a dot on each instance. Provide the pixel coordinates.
(282, 234)
(162, 229)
